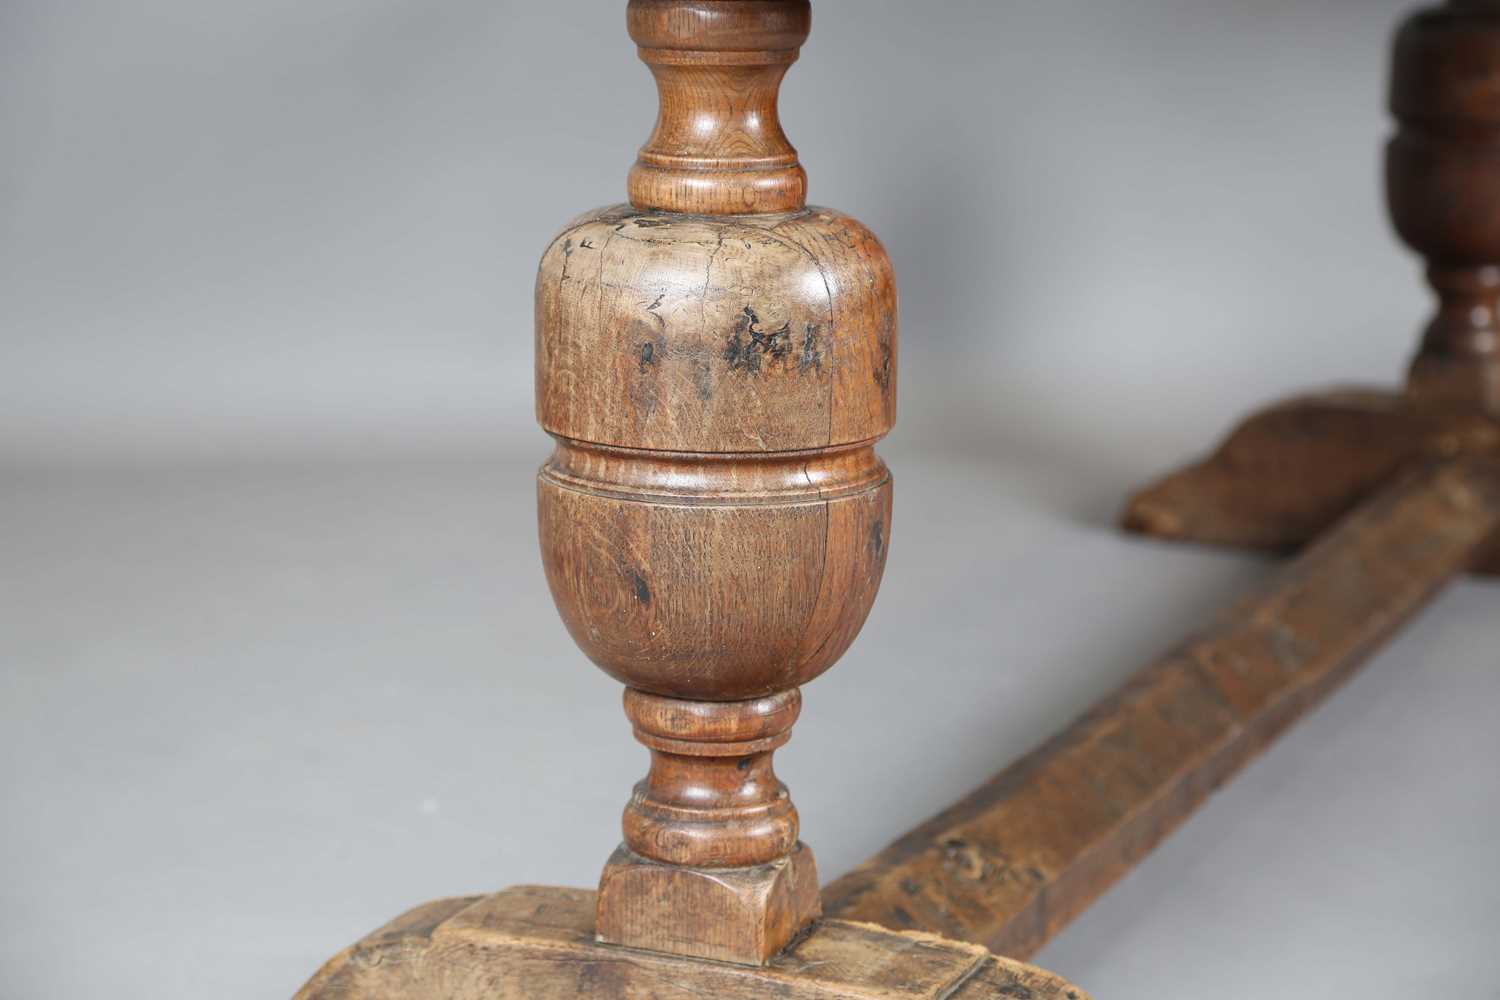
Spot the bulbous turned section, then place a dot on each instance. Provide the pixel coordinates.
(1443, 182)
(718, 147)
(716, 335)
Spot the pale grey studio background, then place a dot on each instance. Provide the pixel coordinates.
(276, 657)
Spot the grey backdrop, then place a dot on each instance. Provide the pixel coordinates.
(276, 660)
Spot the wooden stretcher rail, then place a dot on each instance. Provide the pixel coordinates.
(1012, 864)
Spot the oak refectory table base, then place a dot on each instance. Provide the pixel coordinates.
(533, 943)
(716, 362)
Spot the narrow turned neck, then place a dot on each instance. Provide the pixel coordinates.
(718, 147)
(712, 799)
(1468, 320)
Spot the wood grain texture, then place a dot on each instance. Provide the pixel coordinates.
(744, 915)
(1013, 863)
(714, 601)
(711, 798)
(538, 944)
(718, 147)
(707, 335)
(716, 362)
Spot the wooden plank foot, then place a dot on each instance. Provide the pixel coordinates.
(1289, 473)
(535, 943)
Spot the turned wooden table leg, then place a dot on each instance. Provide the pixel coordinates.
(1289, 472)
(715, 361)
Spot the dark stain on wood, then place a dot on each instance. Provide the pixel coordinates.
(811, 358)
(749, 344)
(641, 587)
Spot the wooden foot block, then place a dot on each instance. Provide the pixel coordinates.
(1287, 474)
(740, 915)
(539, 944)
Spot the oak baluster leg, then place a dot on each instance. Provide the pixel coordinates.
(715, 361)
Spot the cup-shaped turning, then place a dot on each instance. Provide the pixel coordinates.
(714, 578)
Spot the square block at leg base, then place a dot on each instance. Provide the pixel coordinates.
(739, 915)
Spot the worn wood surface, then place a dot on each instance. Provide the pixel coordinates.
(538, 944)
(1013, 863)
(726, 914)
(701, 334)
(716, 362)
